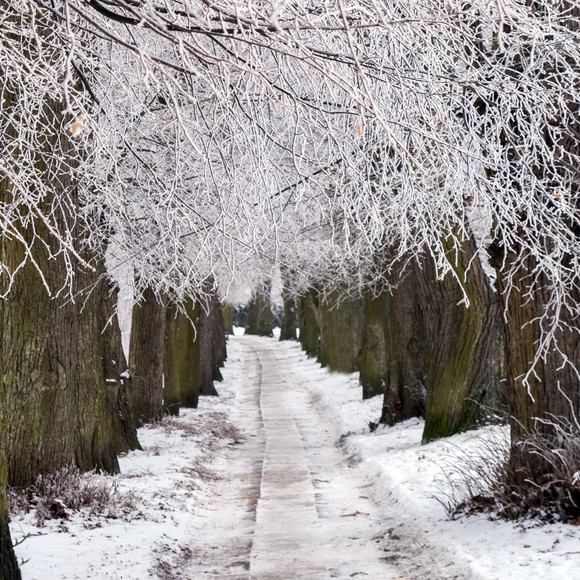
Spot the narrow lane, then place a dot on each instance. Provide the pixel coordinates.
(287, 540)
(288, 506)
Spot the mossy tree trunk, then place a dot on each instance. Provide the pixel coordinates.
(58, 397)
(550, 393)
(372, 359)
(340, 332)
(146, 351)
(405, 348)
(212, 339)
(61, 410)
(182, 357)
(463, 346)
(290, 319)
(259, 321)
(309, 322)
(228, 316)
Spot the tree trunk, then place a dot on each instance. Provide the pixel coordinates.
(57, 408)
(405, 349)
(220, 353)
(463, 352)
(290, 319)
(60, 409)
(372, 359)
(259, 320)
(211, 337)
(182, 357)
(115, 367)
(8, 562)
(309, 323)
(228, 315)
(340, 332)
(546, 391)
(146, 351)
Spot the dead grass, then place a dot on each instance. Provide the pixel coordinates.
(58, 495)
(214, 424)
(537, 477)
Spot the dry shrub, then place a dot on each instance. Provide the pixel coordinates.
(542, 474)
(213, 423)
(57, 495)
(535, 477)
(471, 475)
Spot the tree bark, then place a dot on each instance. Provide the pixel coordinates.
(309, 323)
(259, 319)
(405, 347)
(146, 351)
(340, 332)
(212, 339)
(552, 388)
(228, 315)
(463, 347)
(290, 318)
(220, 353)
(115, 367)
(8, 562)
(372, 359)
(60, 409)
(182, 357)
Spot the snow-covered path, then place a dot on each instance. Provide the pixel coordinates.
(313, 518)
(287, 523)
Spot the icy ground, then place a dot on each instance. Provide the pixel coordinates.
(281, 478)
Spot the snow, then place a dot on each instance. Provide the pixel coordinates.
(196, 501)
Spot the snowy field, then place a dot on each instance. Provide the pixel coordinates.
(185, 506)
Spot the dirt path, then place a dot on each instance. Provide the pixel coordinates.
(287, 506)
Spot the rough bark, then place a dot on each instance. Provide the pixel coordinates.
(228, 315)
(372, 360)
(8, 562)
(288, 329)
(182, 357)
(552, 390)
(309, 323)
(210, 329)
(60, 409)
(146, 351)
(259, 320)
(115, 367)
(405, 349)
(220, 353)
(463, 346)
(542, 391)
(340, 332)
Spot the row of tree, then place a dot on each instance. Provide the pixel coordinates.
(374, 146)
(419, 345)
